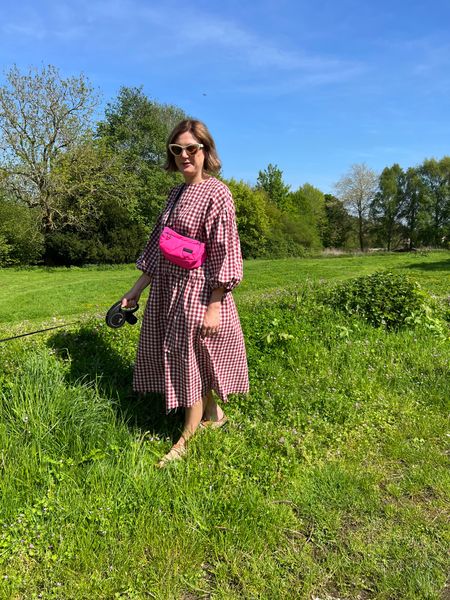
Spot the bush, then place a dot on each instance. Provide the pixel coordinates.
(21, 242)
(382, 299)
(114, 246)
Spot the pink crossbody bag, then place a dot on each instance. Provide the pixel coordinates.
(180, 249)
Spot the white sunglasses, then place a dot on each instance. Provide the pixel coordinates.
(191, 149)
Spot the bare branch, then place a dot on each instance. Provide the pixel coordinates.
(41, 116)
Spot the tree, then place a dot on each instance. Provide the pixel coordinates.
(307, 207)
(42, 115)
(99, 219)
(413, 203)
(21, 242)
(338, 226)
(271, 181)
(387, 204)
(252, 218)
(356, 190)
(435, 176)
(137, 128)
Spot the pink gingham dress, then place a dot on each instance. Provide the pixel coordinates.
(172, 357)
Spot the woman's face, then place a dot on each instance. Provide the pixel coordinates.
(191, 166)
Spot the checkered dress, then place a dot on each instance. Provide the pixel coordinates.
(172, 357)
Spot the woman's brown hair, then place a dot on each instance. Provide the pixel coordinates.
(200, 132)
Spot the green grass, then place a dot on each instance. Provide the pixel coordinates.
(331, 480)
(34, 296)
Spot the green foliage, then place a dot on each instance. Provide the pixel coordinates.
(139, 127)
(100, 216)
(21, 241)
(121, 243)
(271, 181)
(252, 218)
(383, 299)
(308, 209)
(42, 115)
(435, 178)
(338, 227)
(136, 129)
(5, 250)
(387, 206)
(413, 206)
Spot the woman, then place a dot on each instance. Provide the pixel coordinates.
(191, 341)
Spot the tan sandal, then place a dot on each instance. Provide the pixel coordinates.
(177, 452)
(214, 424)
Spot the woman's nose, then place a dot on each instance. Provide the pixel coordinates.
(184, 152)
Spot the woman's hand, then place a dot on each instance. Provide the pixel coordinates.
(130, 299)
(211, 321)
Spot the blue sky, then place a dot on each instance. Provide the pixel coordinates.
(310, 86)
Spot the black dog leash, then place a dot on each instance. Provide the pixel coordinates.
(15, 337)
(115, 318)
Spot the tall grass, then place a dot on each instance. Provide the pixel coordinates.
(331, 480)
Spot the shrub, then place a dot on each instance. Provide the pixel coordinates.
(116, 245)
(383, 299)
(21, 242)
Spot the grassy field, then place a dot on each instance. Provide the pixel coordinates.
(35, 296)
(331, 480)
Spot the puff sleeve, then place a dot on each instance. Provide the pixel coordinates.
(223, 249)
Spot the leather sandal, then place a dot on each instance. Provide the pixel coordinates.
(214, 424)
(177, 452)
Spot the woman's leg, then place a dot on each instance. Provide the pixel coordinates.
(192, 417)
(212, 411)
(206, 408)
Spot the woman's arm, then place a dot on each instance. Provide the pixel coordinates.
(211, 320)
(131, 298)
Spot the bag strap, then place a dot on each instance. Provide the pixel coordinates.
(175, 202)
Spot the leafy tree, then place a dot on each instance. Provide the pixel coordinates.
(387, 204)
(338, 227)
(42, 115)
(356, 190)
(252, 218)
(435, 176)
(86, 179)
(92, 184)
(137, 128)
(21, 242)
(289, 234)
(413, 203)
(308, 205)
(271, 181)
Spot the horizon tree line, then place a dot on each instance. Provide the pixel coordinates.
(74, 191)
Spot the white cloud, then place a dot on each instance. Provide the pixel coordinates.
(60, 24)
(169, 30)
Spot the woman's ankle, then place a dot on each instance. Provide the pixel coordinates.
(213, 412)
